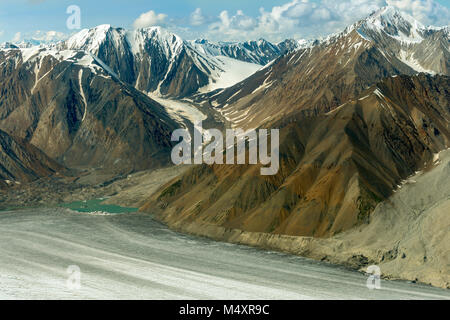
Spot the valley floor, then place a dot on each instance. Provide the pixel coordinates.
(132, 256)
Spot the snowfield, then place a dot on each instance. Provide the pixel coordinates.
(231, 72)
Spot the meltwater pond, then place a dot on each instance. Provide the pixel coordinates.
(132, 256)
(97, 205)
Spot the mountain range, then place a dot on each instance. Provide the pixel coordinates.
(334, 167)
(85, 101)
(359, 112)
(322, 77)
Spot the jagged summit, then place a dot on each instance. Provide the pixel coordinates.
(258, 51)
(169, 41)
(387, 21)
(390, 15)
(399, 25)
(91, 39)
(8, 45)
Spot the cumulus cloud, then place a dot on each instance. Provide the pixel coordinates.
(197, 18)
(48, 36)
(148, 19)
(40, 36)
(233, 24)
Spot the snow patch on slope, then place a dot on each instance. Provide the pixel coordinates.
(409, 60)
(231, 72)
(80, 83)
(90, 39)
(179, 111)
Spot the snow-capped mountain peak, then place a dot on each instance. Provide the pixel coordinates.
(171, 43)
(155, 60)
(397, 24)
(391, 16)
(89, 39)
(104, 35)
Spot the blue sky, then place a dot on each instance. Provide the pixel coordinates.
(215, 20)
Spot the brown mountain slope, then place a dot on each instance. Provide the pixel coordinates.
(22, 162)
(334, 167)
(78, 113)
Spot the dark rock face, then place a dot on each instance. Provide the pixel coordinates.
(261, 51)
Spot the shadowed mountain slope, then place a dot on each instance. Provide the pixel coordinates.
(22, 162)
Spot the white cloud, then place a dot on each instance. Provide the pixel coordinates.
(48, 36)
(39, 36)
(321, 14)
(16, 37)
(148, 19)
(233, 26)
(197, 17)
